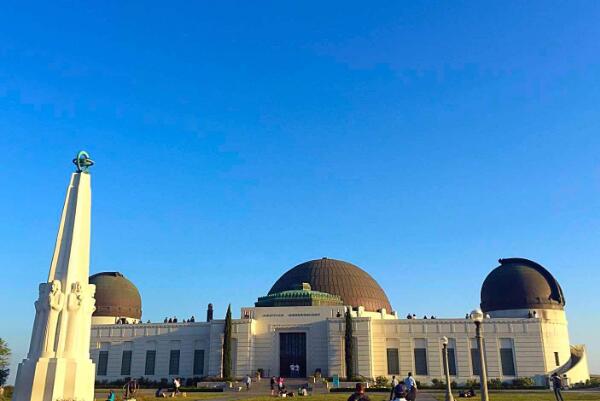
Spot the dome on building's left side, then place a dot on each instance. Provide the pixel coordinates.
(116, 296)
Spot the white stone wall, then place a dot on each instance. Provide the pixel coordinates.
(375, 336)
(256, 344)
(160, 337)
(524, 335)
(555, 335)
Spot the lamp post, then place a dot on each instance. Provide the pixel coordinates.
(477, 318)
(447, 369)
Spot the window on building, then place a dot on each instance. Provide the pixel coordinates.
(150, 362)
(393, 363)
(507, 357)
(507, 360)
(126, 363)
(451, 362)
(421, 361)
(199, 362)
(174, 362)
(102, 363)
(556, 359)
(420, 354)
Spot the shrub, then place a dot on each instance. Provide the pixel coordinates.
(381, 381)
(472, 383)
(351, 390)
(201, 390)
(8, 392)
(593, 382)
(495, 383)
(436, 383)
(523, 382)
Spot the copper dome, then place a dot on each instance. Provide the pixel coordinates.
(520, 284)
(355, 286)
(116, 296)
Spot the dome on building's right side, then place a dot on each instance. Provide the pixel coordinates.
(520, 284)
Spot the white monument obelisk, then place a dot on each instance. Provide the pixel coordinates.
(58, 364)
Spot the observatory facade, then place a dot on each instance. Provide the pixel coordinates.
(301, 322)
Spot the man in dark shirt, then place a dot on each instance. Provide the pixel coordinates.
(557, 385)
(359, 394)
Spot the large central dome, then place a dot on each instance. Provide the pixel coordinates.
(355, 286)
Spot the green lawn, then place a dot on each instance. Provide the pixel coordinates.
(101, 396)
(503, 396)
(318, 397)
(533, 396)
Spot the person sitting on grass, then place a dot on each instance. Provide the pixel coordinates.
(160, 393)
(467, 394)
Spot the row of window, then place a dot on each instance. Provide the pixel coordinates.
(150, 366)
(421, 368)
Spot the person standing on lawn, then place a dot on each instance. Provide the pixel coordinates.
(411, 387)
(394, 384)
(557, 386)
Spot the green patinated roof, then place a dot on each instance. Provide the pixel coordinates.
(303, 296)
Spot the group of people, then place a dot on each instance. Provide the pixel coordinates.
(466, 394)
(162, 392)
(174, 320)
(278, 385)
(413, 316)
(405, 390)
(124, 320)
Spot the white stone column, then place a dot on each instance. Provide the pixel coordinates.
(58, 365)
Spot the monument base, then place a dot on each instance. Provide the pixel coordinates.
(51, 382)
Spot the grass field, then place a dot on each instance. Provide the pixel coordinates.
(101, 396)
(533, 396)
(506, 396)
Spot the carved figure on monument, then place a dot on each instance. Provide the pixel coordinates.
(74, 302)
(55, 306)
(41, 310)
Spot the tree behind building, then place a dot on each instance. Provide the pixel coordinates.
(227, 345)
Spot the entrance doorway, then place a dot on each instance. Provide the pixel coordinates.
(292, 351)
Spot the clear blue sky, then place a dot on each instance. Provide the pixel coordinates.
(419, 140)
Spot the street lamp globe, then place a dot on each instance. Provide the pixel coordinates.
(477, 315)
(445, 340)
